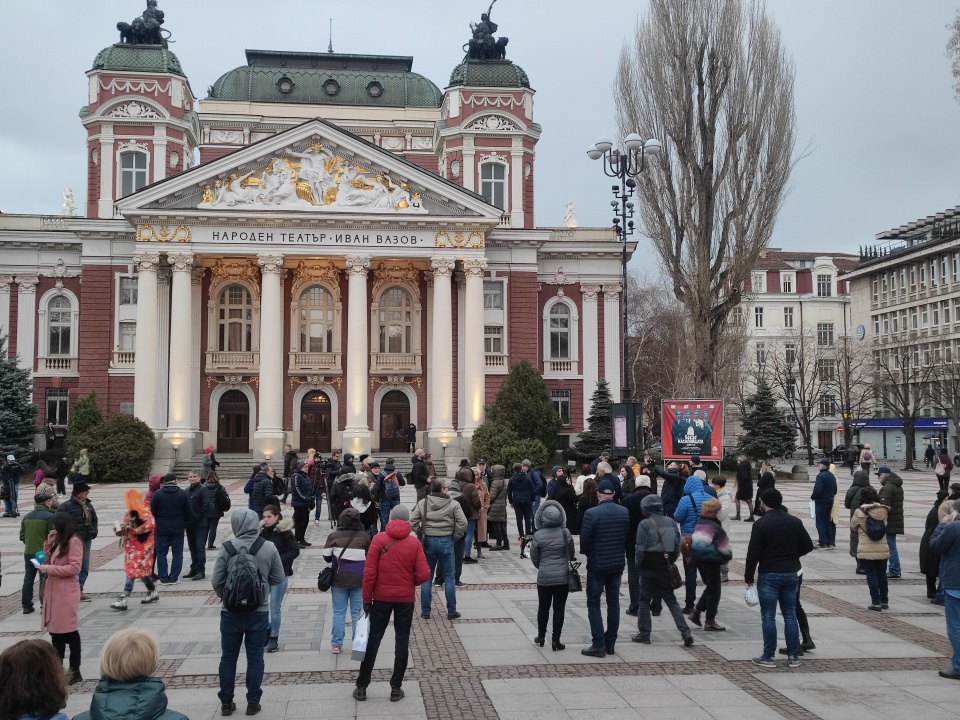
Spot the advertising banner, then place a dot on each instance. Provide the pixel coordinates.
(692, 427)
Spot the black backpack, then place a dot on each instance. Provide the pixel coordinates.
(223, 500)
(875, 529)
(244, 590)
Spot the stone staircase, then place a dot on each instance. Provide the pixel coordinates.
(239, 467)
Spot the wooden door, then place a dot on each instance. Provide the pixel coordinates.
(394, 418)
(315, 427)
(233, 423)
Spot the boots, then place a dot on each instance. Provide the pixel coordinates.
(74, 676)
(724, 574)
(120, 604)
(807, 642)
(151, 597)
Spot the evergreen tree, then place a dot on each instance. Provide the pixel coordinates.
(121, 448)
(86, 416)
(18, 414)
(766, 432)
(596, 436)
(523, 404)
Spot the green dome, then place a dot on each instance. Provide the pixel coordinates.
(489, 73)
(327, 79)
(137, 58)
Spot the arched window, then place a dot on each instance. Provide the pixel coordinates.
(493, 184)
(396, 321)
(235, 320)
(59, 323)
(317, 312)
(133, 172)
(559, 332)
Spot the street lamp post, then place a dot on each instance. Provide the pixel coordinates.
(624, 165)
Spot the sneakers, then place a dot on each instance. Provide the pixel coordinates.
(643, 638)
(461, 584)
(85, 598)
(360, 694)
(152, 597)
(272, 645)
(335, 649)
(316, 522)
(253, 708)
(891, 576)
(884, 606)
(878, 608)
(120, 604)
(764, 662)
(470, 561)
(74, 677)
(227, 708)
(396, 694)
(794, 662)
(28, 609)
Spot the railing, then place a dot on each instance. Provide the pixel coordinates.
(123, 359)
(561, 367)
(315, 361)
(58, 364)
(246, 361)
(395, 362)
(495, 361)
(505, 219)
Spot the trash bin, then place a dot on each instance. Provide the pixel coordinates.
(800, 473)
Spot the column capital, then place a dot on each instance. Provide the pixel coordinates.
(198, 273)
(163, 276)
(270, 263)
(442, 266)
(27, 284)
(357, 264)
(146, 261)
(611, 291)
(590, 292)
(474, 267)
(5, 281)
(180, 261)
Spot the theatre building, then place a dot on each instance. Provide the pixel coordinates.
(325, 249)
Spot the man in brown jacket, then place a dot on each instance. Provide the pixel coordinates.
(470, 502)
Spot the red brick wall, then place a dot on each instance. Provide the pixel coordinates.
(576, 403)
(209, 154)
(804, 281)
(524, 326)
(93, 179)
(528, 206)
(427, 162)
(97, 303)
(773, 281)
(12, 329)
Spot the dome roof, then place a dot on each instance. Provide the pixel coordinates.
(137, 58)
(327, 79)
(489, 73)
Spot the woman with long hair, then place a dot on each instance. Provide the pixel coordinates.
(481, 537)
(278, 530)
(346, 549)
(61, 590)
(34, 684)
(588, 499)
(137, 541)
(766, 481)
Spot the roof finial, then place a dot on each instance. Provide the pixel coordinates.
(330, 45)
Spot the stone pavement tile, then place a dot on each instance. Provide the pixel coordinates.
(578, 685)
(532, 714)
(933, 623)
(900, 649)
(673, 713)
(624, 713)
(951, 708)
(702, 682)
(496, 658)
(525, 686)
(596, 700)
(743, 712)
(344, 706)
(539, 703)
(944, 691)
(669, 698)
(710, 698)
(655, 652)
(465, 630)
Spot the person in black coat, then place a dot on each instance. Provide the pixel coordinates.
(219, 503)
(588, 500)
(672, 489)
(929, 560)
(274, 528)
(301, 488)
(632, 503)
(262, 489)
(520, 494)
(744, 486)
(766, 481)
(851, 501)
(198, 525)
(171, 510)
(567, 497)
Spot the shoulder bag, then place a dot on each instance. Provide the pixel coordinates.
(574, 581)
(676, 581)
(423, 523)
(328, 574)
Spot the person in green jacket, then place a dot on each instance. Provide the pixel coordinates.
(127, 688)
(34, 528)
(891, 495)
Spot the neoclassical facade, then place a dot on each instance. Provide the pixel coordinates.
(324, 250)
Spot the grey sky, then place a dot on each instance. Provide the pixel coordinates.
(873, 92)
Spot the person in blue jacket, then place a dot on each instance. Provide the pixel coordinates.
(172, 512)
(520, 494)
(686, 514)
(824, 490)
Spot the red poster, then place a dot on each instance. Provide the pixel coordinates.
(692, 427)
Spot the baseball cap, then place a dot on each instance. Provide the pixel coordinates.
(606, 487)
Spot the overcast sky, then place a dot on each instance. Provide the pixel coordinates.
(873, 92)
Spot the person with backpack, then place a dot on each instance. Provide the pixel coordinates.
(870, 522)
(686, 514)
(866, 458)
(341, 490)
(389, 492)
(710, 547)
(245, 569)
(303, 499)
(220, 500)
(943, 468)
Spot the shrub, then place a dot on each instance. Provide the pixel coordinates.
(121, 449)
(85, 417)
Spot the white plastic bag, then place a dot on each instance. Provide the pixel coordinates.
(751, 597)
(813, 509)
(361, 633)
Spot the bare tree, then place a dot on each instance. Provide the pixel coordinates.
(946, 395)
(903, 387)
(953, 53)
(853, 386)
(712, 82)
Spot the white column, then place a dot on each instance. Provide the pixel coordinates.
(145, 369)
(589, 328)
(612, 321)
(181, 352)
(5, 281)
(163, 347)
(516, 185)
(460, 322)
(27, 321)
(474, 370)
(356, 434)
(429, 277)
(107, 162)
(469, 168)
(441, 356)
(268, 439)
(197, 289)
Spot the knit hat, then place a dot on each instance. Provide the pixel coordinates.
(771, 498)
(10, 458)
(710, 508)
(169, 478)
(400, 512)
(606, 487)
(695, 459)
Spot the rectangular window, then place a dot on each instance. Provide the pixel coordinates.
(492, 295)
(827, 369)
(923, 276)
(824, 285)
(790, 353)
(493, 340)
(128, 336)
(761, 356)
(758, 317)
(936, 313)
(493, 184)
(956, 267)
(924, 317)
(788, 317)
(943, 269)
(756, 282)
(791, 388)
(903, 281)
(933, 273)
(893, 283)
(786, 284)
(945, 308)
(561, 403)
(914, 318)
(896, 324)
(828, 405)
(133, 172)
(128, 291)
(886, 323)
(876, 288)
(913, 278)
(825, 334)
(58, 402)
(956, 310)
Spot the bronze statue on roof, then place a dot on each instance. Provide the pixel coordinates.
(145, 30)
(483, 45)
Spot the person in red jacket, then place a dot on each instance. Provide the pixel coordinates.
(396, 566)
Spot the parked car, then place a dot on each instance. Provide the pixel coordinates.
(800, 453)
(839, 454)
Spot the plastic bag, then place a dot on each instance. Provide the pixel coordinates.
(813, 509)
(751, 597)
(361, 633)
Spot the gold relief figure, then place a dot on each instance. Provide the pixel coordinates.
(330, 195)
(207, 196)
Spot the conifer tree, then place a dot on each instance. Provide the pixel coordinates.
(523, 404)
(596, 436)
(86, 415)
(18, 414)
(766, 432)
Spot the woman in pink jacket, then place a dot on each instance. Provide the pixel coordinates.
(61, 590)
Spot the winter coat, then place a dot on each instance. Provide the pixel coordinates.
(567, 497)
(825, 488)
(745, 481)
(891, 495)
(852, 501)
(82, 465)
(171, 510)
(210, 465)
(710, 544)
(201, 506)
(441, 517)
(603, 537)
(289, 463)
(84, 518)
(153, 485)
(945, 542)
(688, 510)
(484, 493)
(777, 542)
(140, 699)
(34, 528)
(944, 458)
(261, 490)
(216, 490)
(418, 474)
(583, 504)
(521, 490)
(61, 590)
(634, 505)
(929, 560)
(137, 540)
(246, 529)
(396, 565)
(868, 549)
(650, 546)
(281, 535)
(498, 495)
(468, 488)
(354, 541)
(362, 502)
(727, 506)
(767, 481)
(552, 547)
(301, 489)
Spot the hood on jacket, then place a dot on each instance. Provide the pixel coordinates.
(359, 504)
(861, 479)
(350, 519)
(498, 471)
(245, 524)
(652, 505)
(893, 479)
(550, 514)
(144, 699)
(877, 511)
(693, 486)
(155, 482)
(282, 526)
(398, 529)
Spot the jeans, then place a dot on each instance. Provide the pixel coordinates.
(774, 588)
(951, 610)
(458, 546)
(318, 498)
(557, 595)
(85, 564)
(212, 534)
(402, 620)
(197, 542)
(690, 584)
(654, 587)
(250, 631)
(468, 541)
(524, 520)
(340, 597)
(876, 580)
(385, 507)
(597, 584)
(894, 554)
(165, 542)
(129, 582)
(710, 599)
(29, 576)
(439, 550)
(533, 513)
(13, 490)
(826, 530)
(276, 605)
